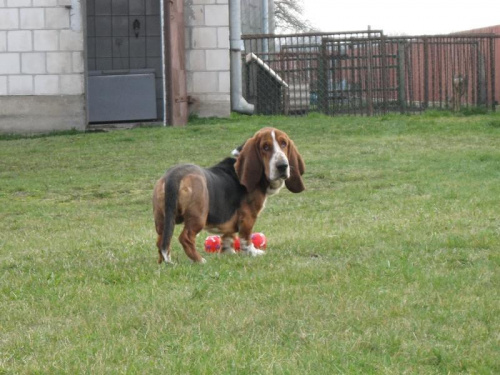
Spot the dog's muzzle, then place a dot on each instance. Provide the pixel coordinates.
(283, 169)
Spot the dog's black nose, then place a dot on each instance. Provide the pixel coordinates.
(282, 167)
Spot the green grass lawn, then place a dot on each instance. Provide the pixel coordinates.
(388, 263)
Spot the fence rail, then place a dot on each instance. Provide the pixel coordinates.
(365, 72)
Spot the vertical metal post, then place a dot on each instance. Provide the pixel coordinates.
(401, 77)
(369, 86)
(163, 23)
(492, 73)
(354, 77)
(482, 86)
(265, 28)
(167, 63)
(385, 86)
(426, 73)
(323, 78)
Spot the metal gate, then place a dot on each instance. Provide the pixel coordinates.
(368, 73)
(356, 76)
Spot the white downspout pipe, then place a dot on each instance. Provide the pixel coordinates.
(163, 66)
(265, 25)
(238, 103)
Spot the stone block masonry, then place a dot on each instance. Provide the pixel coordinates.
(41, 65)
(207, 56)
(36, 39)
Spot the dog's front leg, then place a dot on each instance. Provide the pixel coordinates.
(188, 242)
(248, 248)
(228, 244)
(246, 226)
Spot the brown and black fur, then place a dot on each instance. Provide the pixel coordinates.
(225, 198)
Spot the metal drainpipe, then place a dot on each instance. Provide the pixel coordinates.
(265, 25)
(238, 102)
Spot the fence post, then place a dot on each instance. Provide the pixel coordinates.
(492, 72)
(385, 81)
(369, 86)
(426, 73)
(323, 79)
(401, 77)
(482, 86)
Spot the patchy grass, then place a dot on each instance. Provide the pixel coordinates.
(388, 263)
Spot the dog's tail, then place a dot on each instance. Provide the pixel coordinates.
(171, 197)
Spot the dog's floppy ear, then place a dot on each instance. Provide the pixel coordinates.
(297, 168)
(249, 165)
(237, 150)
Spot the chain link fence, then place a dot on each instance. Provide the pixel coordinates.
(367, 73)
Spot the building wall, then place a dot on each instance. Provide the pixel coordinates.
(112, 43)
(207, 56)
(207, 51)
(43, 63)
(42, 67)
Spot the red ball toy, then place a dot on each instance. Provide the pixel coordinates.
(259, 241)
(212, 244)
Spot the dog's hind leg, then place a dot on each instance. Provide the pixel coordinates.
(164, 215)
(188, 242)
(159, 216)
(193, 201)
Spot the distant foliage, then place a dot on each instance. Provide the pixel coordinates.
(288, 14)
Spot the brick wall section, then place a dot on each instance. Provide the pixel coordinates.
(41, 47)
(207, 56)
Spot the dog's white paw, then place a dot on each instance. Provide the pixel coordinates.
(257, 252)
(251, 250)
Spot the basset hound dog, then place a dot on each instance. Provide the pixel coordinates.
(226, 198)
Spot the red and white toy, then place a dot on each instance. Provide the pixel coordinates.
(213, 243)
(259, 241)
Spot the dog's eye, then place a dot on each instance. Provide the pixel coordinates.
(283, 144)
(266, 147)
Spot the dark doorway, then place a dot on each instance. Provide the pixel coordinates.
(124, 57)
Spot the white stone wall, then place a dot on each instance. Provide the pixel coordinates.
(41, 47)
(207, 56)
(42, 67)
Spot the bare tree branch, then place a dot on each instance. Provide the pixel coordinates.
(288, 14)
